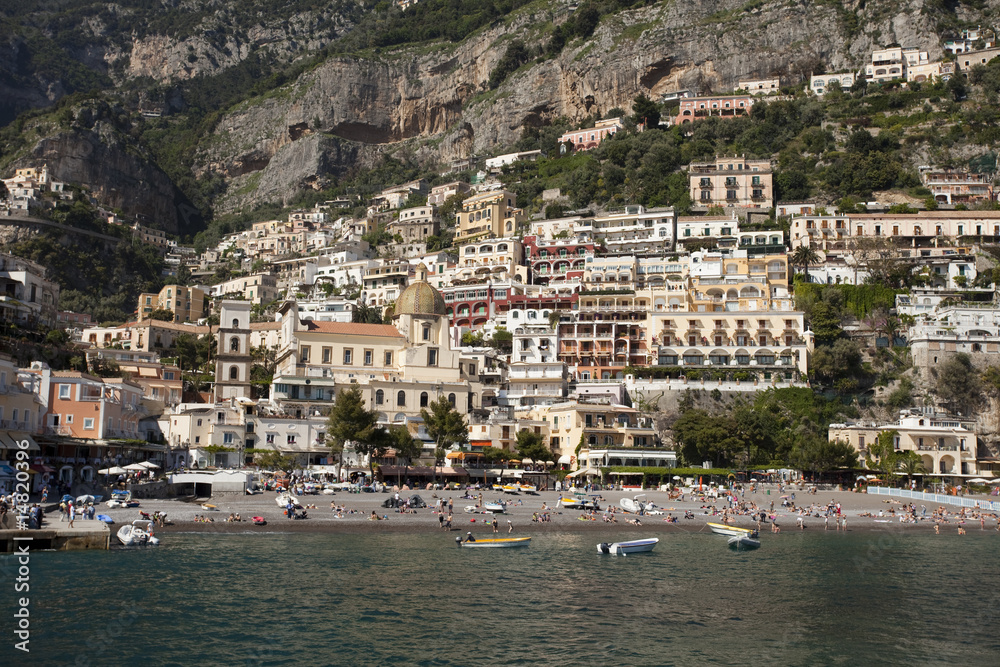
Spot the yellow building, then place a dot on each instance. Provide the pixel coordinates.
(595, 425)
(186, 303)
(490, 214)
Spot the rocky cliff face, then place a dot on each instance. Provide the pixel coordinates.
(435, 102)
(115, 174)
(432, 101)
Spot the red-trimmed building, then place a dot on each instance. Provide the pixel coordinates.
(472, 306)
(562, 259)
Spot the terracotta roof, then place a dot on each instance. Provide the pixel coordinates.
(75, 374)
(265, 326)
(352, 328)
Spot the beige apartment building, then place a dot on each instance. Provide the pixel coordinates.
(732, 181)
(490, 214)
(259, 288)
(416, 224)
(186, 303)
(946, 445)
(596, 425)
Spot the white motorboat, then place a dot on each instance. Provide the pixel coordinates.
(120, 499)
(743, 543)
(728, 531)
(138, 533)
(282, 501)
(624, 548)
(513, 489)
(527, 488)
(634, 505)
(494, 542)
(498, 507)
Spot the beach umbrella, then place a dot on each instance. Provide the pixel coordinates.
(550, 463)
(995, 481)
(112, 471)
(527, 461)
(149, 466)
(677, 477)
(977, 480)
(135, 466)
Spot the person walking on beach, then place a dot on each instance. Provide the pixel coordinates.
(496, 526)
(510, 527)
(451, 505)
(447, 523)
(72, 513)
(440, 520)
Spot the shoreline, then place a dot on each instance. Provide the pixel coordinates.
(349, 527)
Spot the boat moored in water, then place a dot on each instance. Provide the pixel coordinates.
(493, 543)
(743, 543)
(138, 533)
(728, 531)
(630, 547)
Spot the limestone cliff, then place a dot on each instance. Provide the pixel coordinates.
(435, 101)
(430, 101)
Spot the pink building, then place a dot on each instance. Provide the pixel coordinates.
(584, 140)
(724, 106)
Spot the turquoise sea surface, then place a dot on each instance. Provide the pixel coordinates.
(415, 599)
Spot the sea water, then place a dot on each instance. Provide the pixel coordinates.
(416, 599)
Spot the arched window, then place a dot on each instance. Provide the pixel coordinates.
(379, 397)
(236, 323)
(234, 344)
(423, 399)
(451, 399)
(234, 373)
(401, 397)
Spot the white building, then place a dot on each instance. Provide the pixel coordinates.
(819, 84)
(635, 229)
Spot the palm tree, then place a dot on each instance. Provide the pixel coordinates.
(804, 256)
(909, 464)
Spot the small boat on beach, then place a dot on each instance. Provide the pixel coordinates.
(138, 533)
(579, 503)
(493, 542)
(743, 543)
(121, 499)
(527, 488)
(281, 500)
(728, 531)
(511, 488)
(634, 505)
(498, 507)
(624, 548)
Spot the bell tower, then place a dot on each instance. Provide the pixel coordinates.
(232, 360)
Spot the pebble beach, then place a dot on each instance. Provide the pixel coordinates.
(861, 511)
